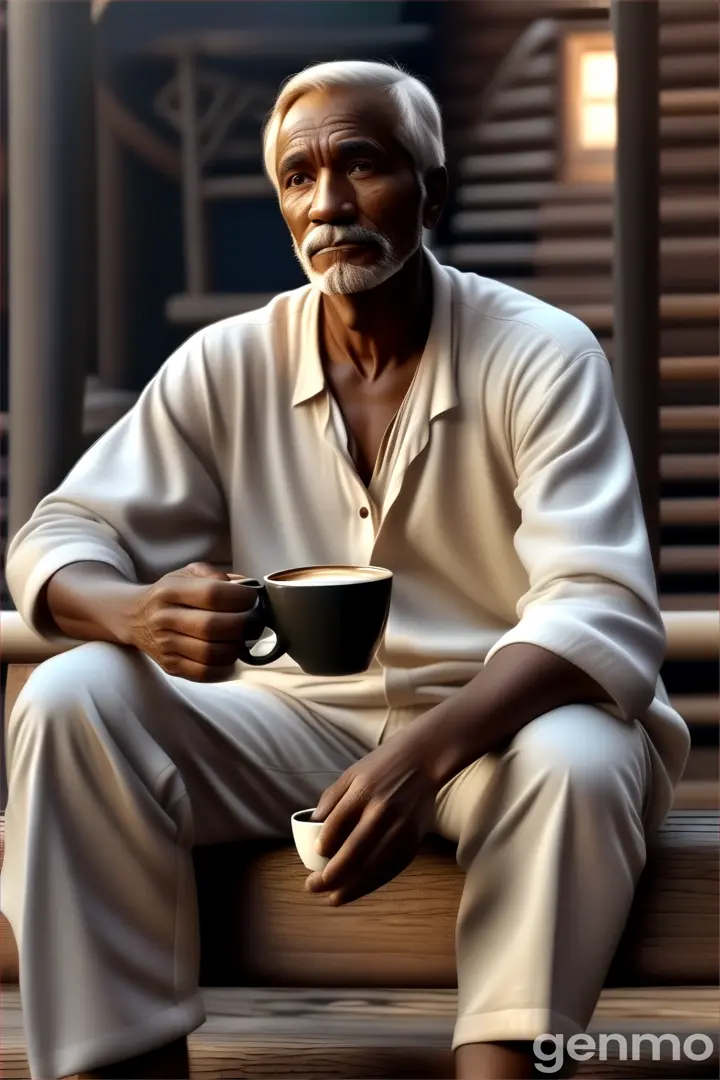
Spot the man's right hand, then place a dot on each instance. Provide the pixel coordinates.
(189, 621)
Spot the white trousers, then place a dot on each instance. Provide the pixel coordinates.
(117, 770)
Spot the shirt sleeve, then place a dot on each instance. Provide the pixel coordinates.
(592, 595)
(145, 499)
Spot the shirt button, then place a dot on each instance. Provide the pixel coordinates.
(364, 512)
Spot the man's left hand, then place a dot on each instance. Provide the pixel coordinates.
(375, 817)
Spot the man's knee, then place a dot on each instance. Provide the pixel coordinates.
(582, 749)
(62, 691)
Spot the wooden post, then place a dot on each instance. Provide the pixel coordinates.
(51, 241)
(114, 231)
(637, 245)
(193, 209)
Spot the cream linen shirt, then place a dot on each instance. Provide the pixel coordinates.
(504, 498)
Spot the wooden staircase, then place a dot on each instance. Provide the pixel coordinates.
(513, 219)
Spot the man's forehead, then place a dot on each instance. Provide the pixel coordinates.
(355, 110)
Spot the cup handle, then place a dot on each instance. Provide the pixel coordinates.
(262, 613)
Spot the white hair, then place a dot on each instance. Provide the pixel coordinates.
(420, 131)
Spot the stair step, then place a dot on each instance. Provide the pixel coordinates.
(704, 99)
(702, 559)
(690, 511)
(686, 163)
(597, 215)
(689, 466)
(690, 417)
(690, 368)
(690, 602)
(544, 131)
(691, 36)
(339, 1034)
(702, 710)
(580, 251)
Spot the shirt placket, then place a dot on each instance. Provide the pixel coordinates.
(362, 507)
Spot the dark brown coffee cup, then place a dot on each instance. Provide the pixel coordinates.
(329, 619)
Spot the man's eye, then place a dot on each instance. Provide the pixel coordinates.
(296, 179)
(361, 166)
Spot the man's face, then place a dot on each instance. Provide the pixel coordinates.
(351, 196)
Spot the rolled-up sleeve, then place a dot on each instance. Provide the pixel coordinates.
(592, 595)
(146, 498)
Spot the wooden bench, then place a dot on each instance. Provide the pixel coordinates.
(294, 988)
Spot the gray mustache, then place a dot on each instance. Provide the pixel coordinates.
(330, 235)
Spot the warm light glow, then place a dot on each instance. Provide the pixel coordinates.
(598, 78)
(598, 129)
(598, 85)
(589, 108)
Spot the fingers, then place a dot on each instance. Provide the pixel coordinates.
(185, 668)
(206, 593)
(363, 874)
(357, 846)
(206, 653)
(331, 797)
(209, 626)
(340, 821)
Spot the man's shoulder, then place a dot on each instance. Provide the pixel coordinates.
(280, 315)
(515, 322)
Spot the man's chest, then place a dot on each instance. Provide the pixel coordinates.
(367, 408)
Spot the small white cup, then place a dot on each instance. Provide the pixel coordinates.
(305, 833)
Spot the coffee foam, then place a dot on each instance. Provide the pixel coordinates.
(330, 575)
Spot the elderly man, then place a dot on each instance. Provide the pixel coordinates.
(396, 412)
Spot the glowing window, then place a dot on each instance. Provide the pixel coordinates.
(588, 107)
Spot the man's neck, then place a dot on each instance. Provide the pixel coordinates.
(382, 328)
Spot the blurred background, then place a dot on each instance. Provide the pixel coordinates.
(138, 212)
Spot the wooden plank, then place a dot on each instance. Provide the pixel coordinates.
(687, 263)
(265, 929)
(543, 131)
(690, 602)
(679, 308)
(336, 1033)
(684, 11)
(690, 418)
(690, 511)
(686, 163)
(557, 217)
(520, 134)
(691, 101)
(697, 795)
(531, 192)
(690, 369)
(690, 466)
(700, 709)
(694, 36)
(691, 69)
(519, 101)
(689, 164)
(692, 635)
(533, 163)
(689, 129)
(490, 221)
(690, 560)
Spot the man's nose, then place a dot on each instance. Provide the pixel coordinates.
(333, 202)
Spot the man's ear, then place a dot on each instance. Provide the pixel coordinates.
(436, 193)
